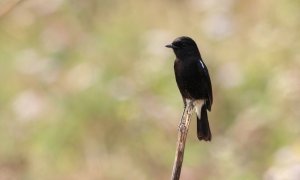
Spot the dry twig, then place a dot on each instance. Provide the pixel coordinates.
(182, 134)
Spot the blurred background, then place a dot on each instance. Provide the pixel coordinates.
(88, 89)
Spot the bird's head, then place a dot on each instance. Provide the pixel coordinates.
(184, 47)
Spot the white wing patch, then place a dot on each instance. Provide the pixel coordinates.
(202, 64)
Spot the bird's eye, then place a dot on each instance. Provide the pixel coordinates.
(179, 44)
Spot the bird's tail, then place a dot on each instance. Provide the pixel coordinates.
(203, 130)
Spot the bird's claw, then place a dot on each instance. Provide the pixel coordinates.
(181, 127)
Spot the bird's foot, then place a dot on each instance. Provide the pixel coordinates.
(181, 127)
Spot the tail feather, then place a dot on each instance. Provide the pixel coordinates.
(203, 130)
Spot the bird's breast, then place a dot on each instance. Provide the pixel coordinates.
(189, 79)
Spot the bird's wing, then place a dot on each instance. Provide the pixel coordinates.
(204, 71)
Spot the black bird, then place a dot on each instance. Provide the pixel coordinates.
(193, 81)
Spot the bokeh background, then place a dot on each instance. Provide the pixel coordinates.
(88, 89)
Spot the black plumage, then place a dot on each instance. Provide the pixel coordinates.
(193, 81)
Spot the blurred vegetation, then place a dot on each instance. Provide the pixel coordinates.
(88, 90)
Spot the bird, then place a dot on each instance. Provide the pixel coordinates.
(193, 82)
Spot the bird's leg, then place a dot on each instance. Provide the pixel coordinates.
(188, 106)
(181, 123)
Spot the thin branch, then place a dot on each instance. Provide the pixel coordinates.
(8, 7)
(182, 134)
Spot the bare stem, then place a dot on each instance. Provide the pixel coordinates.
(182, 134)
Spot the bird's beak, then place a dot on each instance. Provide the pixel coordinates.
(170, 46)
